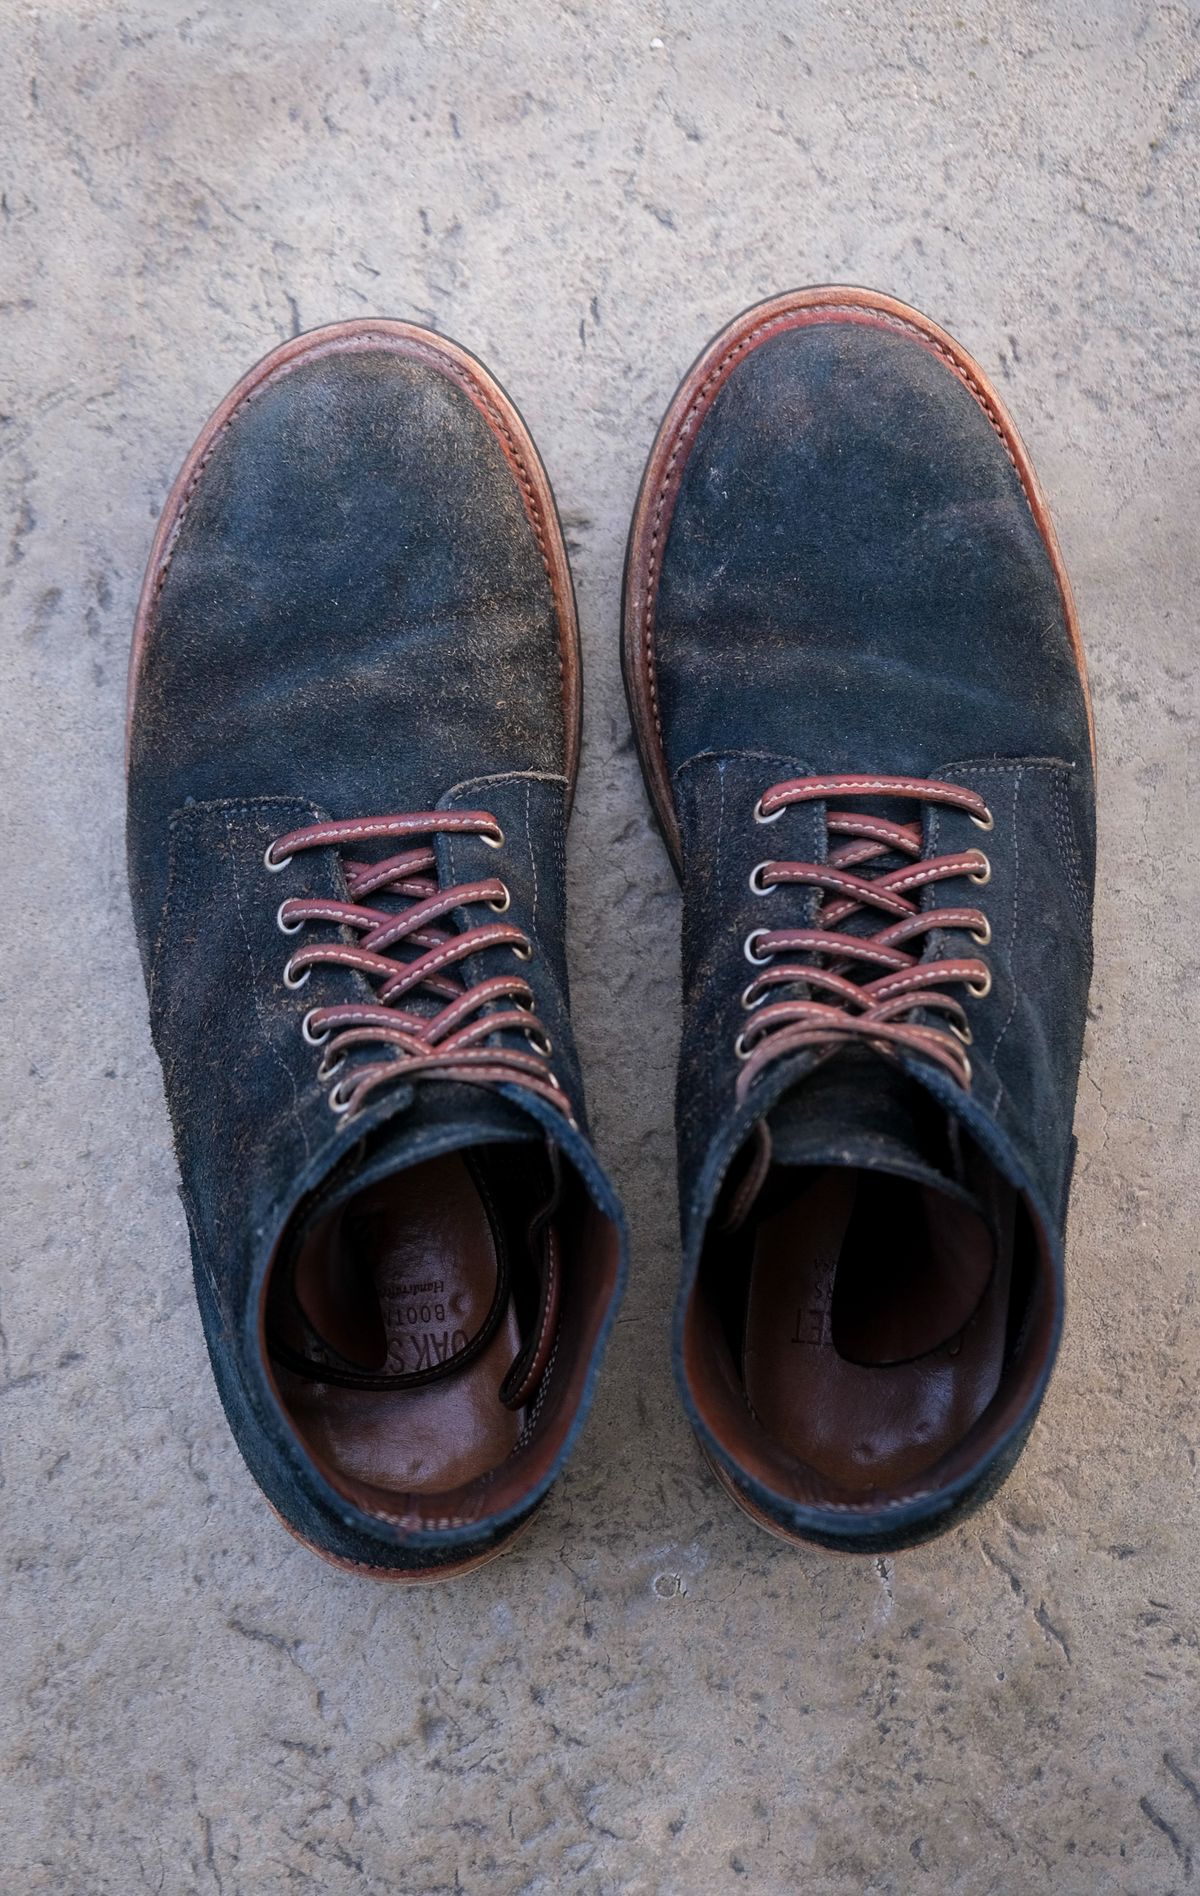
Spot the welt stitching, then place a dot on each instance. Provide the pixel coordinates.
(700, 401)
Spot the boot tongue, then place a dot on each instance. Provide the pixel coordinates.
(875, 1166)
(859, 1109)
(331, 1280)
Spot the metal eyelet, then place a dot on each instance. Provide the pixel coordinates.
(983, 874)
(985, 822)
(747, 1003)
(281, 925)
(760, 817)
(756, 961)
(980, 989)
(506, 903)
(981, 935)
(339, 1101)
(757, 885)
(314, 1040)
(961, 1033)
(274, 867)
(522, 953)
(740, 1048)
(539, 1041)
(493, 842)
(328, 1068)
(294, 981)
(968, 1071)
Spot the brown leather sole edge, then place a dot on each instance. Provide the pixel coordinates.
(820, 1543)
(664, 471)
(516, 442)
(413, 1577)
(750, 1507)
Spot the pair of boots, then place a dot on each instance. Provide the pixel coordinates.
(855, 677)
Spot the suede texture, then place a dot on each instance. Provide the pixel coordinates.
(853, 580)
(356, 620)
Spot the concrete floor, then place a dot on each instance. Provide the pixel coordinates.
(648, 1694)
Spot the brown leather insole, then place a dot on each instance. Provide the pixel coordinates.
(399, 1279)
(926, 1330)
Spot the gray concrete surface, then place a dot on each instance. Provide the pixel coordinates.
(648, 1695)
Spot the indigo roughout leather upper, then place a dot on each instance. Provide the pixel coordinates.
(358, 605)
(840, 564)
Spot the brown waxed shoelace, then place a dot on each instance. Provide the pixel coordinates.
(450, 1044)
(871, 1010)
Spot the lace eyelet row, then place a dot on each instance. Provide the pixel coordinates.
(807, 1015)
(341, 1096)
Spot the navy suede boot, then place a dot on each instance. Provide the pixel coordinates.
(858, 690)
(352, 744)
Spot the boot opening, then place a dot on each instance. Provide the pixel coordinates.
(859, 1331)
(424, 1334)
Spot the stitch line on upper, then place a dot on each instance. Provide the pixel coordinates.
(262, 1025)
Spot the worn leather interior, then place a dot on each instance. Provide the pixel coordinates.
(447, 1452)
(399, 1281)
(875, 1323)
(865, 1320)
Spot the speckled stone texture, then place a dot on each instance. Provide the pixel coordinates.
(648, 1694)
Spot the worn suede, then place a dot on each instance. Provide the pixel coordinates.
(853, 580)
(355, 619)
